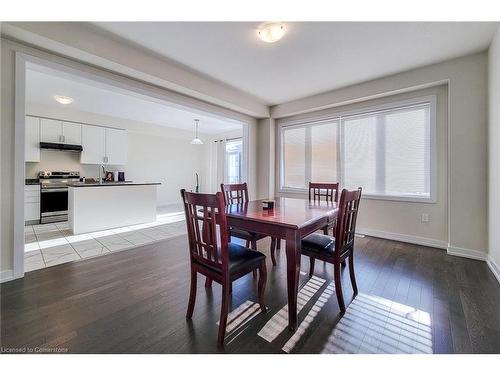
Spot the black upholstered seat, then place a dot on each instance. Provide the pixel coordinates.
(241, 257)
(244, 235)
(319, 243)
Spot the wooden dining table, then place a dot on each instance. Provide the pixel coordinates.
(291, 219)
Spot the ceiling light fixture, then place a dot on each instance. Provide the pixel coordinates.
(63, 99)
(196, 140)
(271, 32)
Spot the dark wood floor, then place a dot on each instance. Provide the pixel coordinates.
(412, 299)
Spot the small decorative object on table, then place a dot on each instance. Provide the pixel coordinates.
(268, 204)
(110, 176)
(121, 176)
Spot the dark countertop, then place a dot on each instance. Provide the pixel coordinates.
(32, 181)
(115, 183)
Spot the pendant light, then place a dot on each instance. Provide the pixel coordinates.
(196, 140)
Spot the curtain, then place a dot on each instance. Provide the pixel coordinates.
(217, 165)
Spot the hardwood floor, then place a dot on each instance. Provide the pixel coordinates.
(412, 299)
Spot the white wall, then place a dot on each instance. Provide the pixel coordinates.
(467, 138)
(494, 151)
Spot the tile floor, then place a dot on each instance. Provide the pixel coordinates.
(46, 245)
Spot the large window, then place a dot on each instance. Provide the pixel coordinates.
(385, 150)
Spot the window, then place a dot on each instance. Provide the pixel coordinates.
(309, 153)
(234, 149)
(385, 150)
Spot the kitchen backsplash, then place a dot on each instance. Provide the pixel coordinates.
(53, 160)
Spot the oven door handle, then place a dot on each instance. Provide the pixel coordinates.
(62, 190)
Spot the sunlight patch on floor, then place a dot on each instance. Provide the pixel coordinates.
(279, 321)
(318, 305)
(373, 324)
(241, 315)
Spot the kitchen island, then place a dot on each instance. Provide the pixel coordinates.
(93, 206)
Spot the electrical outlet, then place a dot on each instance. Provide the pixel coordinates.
(425, 218)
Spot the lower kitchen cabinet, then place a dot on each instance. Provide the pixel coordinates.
(31, 202)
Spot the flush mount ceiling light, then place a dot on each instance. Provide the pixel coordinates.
(63, 99)
(271, 32)
(196, 140)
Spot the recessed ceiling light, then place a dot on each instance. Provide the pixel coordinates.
(271, 32)
(63, 99)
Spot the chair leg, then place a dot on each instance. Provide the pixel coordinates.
(208, 282)
(338, 287)
(273, 248)
(192, 294)
(325, 231)
(278, 244)
(352, 275)
(223, 314)
(247, 243)
(311, 266)
(253, 246)
(262, 285)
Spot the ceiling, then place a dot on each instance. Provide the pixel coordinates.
(312, 57)
(102, 99)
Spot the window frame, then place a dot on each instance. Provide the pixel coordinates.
(337, 116)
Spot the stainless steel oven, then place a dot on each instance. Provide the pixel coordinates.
(54, 195)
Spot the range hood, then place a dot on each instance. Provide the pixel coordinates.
(61, 146)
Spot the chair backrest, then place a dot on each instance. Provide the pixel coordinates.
(330, 191)
(346, 220)
(206, 224)
(235, 193)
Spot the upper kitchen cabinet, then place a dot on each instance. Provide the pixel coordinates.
(93, 144)
(56, 131)
(116, 147)
(50, 130)
(32, 139)
(72, 133)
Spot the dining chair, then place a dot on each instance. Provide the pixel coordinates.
(327, 191)
(238, 194)
(336, 250)
(216, 259)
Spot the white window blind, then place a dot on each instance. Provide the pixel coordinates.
(387, 151)
(309, 153)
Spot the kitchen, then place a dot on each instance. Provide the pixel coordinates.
(96, 167)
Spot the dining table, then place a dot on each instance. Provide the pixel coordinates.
(291, 219)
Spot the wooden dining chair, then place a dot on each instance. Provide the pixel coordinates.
(337, 249)
(221, 261)
(324, 191)
(238, 194)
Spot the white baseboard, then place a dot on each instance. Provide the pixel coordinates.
(494, 268)
(404, 238)
(466, 253)
(6, 275)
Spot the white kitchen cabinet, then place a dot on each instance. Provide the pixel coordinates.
(116, 147)
(32, 139)
(93, 144)
(72, 133)
(56, 131)
(31, 202)
(50, 130)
